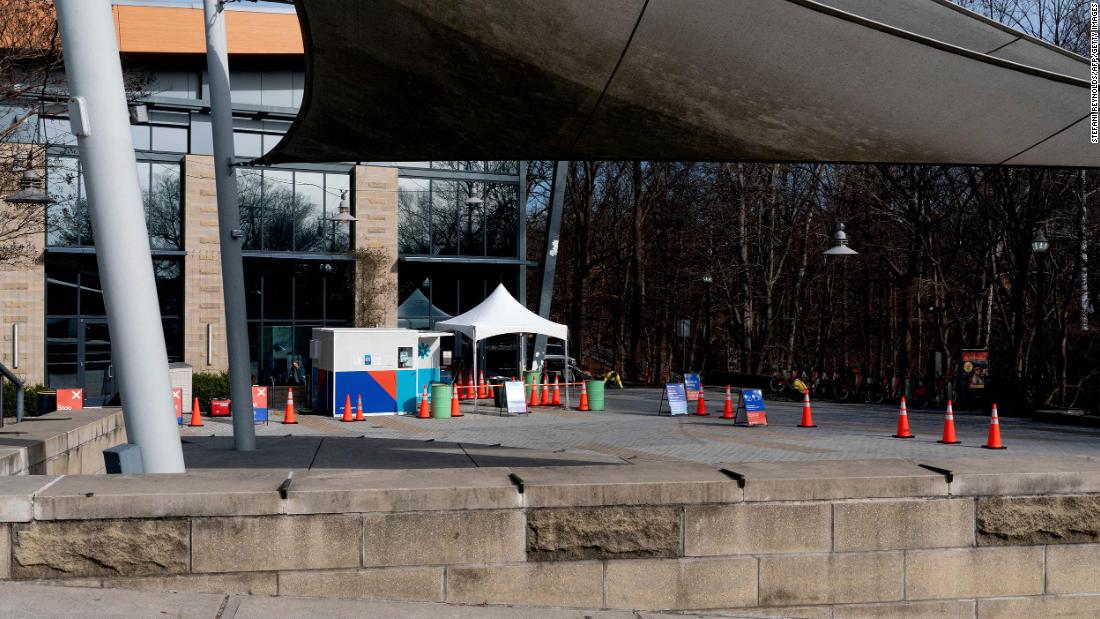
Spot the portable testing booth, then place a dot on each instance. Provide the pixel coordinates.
(387, 367)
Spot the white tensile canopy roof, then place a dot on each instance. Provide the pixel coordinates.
(417, 312)
(501, 314)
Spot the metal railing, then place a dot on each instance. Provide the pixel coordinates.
(19, 392)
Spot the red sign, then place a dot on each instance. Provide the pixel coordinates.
(219, 408)
(259, 397)
(177, 399)
(70, 399)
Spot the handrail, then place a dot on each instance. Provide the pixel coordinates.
(19, 391)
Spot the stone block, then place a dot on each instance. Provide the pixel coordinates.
(418, 584)
(830, 578)
(1038, 520)
(5, 551)
(1073, 568)
(759, 528)
(16, 495)
(898, 525)
(446, 537)
(240, 493)
(973, 572)
(663, 584)
(801, 612)
(255, 583)
(100, 548)
(946, 609)
(275, 543)
(1021, 475)
(603, 533)
(578, 584)
(1082, 606)
(823, 480)
(54, 601)
(401, 491)
(668, 483)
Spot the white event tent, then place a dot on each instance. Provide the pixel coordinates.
(501, 314)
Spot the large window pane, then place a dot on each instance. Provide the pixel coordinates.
(281, 210)
(67, 220)
(337, 185)
(501, 220)
(61, 351)
(250, 197)
(308, 292)
(162, 206)
(62, 285)
(414, 216)
(339, 294)
(247, 144)
(91, 291)
(170, 139)
(309, 193)
(470, 221)
(445, 212)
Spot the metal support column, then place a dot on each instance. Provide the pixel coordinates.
(101, 123)
(521, 284)
(229, 228)
(550, 254)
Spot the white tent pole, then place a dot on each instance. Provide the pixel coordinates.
(567, 391)
(476, 401)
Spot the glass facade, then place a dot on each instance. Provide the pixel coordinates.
(285, 210)
(435, 219)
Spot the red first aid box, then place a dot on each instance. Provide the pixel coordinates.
(219, 408)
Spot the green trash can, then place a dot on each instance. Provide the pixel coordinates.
(530, 377)
(595, 394)
(441, 401)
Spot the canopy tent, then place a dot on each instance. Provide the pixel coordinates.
(904, 81)
(501, 314)
(417, 312)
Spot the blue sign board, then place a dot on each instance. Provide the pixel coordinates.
(677, 398)
(753, 401)
(693, 385)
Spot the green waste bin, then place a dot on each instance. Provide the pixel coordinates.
(530, 377)
(441, 401)
(595, 394)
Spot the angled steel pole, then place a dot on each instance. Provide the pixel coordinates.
(550, 256)
(229, 228)
(101, 123)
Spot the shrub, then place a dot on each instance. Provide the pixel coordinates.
(30, 399)
(208, 386)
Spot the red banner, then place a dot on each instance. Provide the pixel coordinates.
(70, 399)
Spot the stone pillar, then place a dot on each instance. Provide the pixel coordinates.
(23, 288)
(375, 207)
(202, 272)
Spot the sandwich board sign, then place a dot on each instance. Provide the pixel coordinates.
(513, 393)
(676, 396)
(751, 403)
(177, 401)
(259, 404)
(693, 386)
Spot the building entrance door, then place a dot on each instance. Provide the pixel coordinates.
(95, 371)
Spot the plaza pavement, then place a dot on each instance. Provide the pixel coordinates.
(629, 431)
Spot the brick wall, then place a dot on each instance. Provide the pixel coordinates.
(375, 207)
(202, 283)
(859, 543)
(23, 294)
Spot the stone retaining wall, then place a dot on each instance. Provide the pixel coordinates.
(990, 537)
(61, 443)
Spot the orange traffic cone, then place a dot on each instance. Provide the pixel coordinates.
(808, 413)
(534, 399)
(468, 390)
(556, 399)
(456, 408)
(584, 396)
(949, 427)
(359, 409)
(545, 391)
(903, 422)
(196, 415)
(701, 403)
(288, 415)
(348, 416)
(727, 408)
(482, 392)
(425, 411)
(994, 441)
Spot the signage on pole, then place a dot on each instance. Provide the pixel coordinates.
(975, 364)
(693, 385)
(751, 403)
(70, 399)
(259, 404)
(177, 401)
(513, 393)
(676, 397)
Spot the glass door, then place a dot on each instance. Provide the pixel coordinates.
(97, 374)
